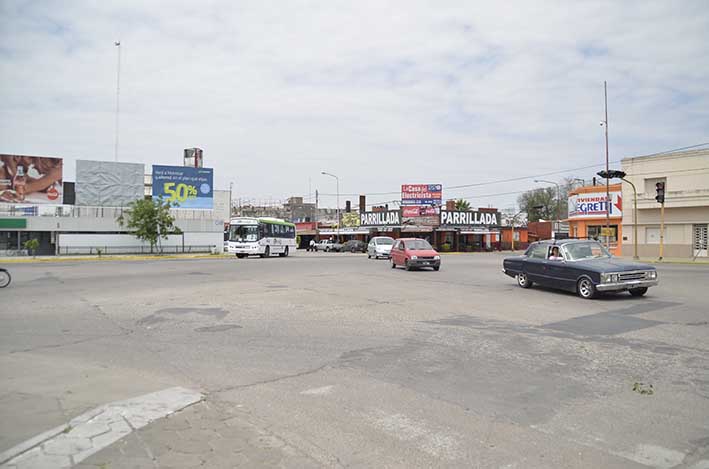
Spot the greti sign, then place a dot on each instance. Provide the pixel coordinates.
(594, 205)
(421, 194)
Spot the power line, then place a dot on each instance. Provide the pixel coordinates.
(522, 178)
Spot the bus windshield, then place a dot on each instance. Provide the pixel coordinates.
(243, 233)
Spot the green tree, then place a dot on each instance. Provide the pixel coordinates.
(32, 245)
(547, 201)
(462, 205)
(149, 220)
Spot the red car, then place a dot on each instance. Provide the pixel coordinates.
(414, 253)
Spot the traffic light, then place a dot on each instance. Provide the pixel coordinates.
(612, 174)
(660, 188)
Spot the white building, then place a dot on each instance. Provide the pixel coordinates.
(686, 178)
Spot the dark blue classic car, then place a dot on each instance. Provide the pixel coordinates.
(581, 266)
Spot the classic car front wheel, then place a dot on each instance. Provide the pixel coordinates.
(638, 291)
(523, 281)
(586, 289)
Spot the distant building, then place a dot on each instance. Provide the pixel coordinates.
(686, 178)
(294, 210)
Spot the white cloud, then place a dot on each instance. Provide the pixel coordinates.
(378, 93)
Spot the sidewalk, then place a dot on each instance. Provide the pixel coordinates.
(669, 260)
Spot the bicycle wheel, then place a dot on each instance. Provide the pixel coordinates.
(5, 278)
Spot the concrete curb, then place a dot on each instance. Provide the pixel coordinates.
(136, 257)
(68, 445)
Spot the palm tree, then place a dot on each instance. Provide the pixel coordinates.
(462, 205)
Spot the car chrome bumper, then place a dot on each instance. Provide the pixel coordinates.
(620, 286)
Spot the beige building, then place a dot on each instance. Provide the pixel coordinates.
(686, 178)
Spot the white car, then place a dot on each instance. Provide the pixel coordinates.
(380, 246)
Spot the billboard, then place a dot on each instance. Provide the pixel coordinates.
(593, 205)
(420, 215)
(185, 186)
(31, 179)
(471, 218)
(388, 218)
(421, 194)
(108, 183)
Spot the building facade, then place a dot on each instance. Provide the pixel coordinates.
(590, 211)
(686, 218)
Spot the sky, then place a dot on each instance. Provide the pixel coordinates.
(378, 93)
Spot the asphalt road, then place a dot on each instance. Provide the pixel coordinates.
(352, 364)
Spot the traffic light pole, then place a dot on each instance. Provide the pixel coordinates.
(635, 218)
(662, 229)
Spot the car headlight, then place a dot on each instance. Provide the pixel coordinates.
(609, 278)
(436, 258)
(413, 258)
(652, 274)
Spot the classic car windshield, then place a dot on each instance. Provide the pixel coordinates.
(586, 250)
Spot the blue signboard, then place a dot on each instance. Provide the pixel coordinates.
(185, 186)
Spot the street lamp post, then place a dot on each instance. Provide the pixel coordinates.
(118, 94)
(338, 201)
(558, 203)
(604, 123)
(231, 186)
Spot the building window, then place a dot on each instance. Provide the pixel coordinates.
(701, 233)
(596, 232)
(516, 235)
(652, 235)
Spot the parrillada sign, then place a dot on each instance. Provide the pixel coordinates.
(390, 218)
(470, 218)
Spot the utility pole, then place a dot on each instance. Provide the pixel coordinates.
(337, 179)
(317, 230)
(608, 182)
(118, 94)
(231, 206)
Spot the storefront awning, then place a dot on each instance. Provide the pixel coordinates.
(480, 232)
(344, 231)
(416, 229)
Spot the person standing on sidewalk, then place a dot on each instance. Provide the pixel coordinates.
(311, 245)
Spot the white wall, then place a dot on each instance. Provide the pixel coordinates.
(117, 243)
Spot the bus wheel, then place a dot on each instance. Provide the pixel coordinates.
(267, 252)
(284, 253)
(241, 256)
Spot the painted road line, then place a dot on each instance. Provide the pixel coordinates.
(67, 445)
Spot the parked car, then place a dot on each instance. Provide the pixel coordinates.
(380, 246)
(328, 245)
(354, 245)
(413, 253)
(581, 266)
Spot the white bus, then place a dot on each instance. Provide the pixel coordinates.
(260, 237)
